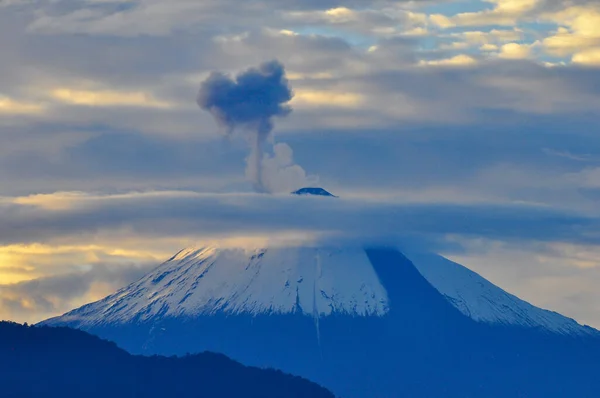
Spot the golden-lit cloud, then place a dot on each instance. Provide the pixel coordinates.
(46, 250)
(576, 37)
(54, 201)
(38, 281)
(578, 34)
(514, 6)
(328, 98)
(485, 41)
(442, 21)
(287, 32)
(493, 36)
(340, 14)
(588, 57)
(515, 51)
(584, 21)
(67, 200)
(9, 106)
(392, 20)
(418, 31)
(24, 262)
(291, 75)
(489, 47)
(14, 274)
(107, 98)
(41, 280)
(505, 13)
(565, 43)
(458, 60)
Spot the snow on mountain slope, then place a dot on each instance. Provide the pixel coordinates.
(316, 282)
(483, 301)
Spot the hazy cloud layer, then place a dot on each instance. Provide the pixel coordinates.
(43, 218)
(44, 297)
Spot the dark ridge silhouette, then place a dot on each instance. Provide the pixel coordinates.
(62, 362)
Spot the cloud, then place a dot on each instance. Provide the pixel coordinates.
(9, 106)
(504, 13)
(36, 300)
(588, 57)
(457, 60)
(391, 19)
(106, 98)
(514, 51)
(578, 34)
(494, 36)
(174, 214)
(327, 98)
(584, 157)
(489, 47)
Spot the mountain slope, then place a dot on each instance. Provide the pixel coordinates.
(314, 281)
(483, 301)
(210, 280)
(374, 322)
(60, 362)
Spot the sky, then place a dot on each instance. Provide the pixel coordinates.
(470, 128)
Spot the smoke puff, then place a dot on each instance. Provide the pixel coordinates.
(250, 100)
(249, 103)
(281, 174)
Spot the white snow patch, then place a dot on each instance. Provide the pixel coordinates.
(314, 281)
(483, 301)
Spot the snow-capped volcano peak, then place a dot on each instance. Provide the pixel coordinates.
(316, 282)
(203, 281)
(313, 191)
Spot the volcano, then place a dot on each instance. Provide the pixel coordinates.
(361, 321)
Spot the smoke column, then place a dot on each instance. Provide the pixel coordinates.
(248, 103)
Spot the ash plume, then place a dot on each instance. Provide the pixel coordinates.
(248, 103)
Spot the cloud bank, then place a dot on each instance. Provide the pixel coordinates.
(154, 214)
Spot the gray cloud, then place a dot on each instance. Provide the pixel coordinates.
(208, 215)
(156, 18)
